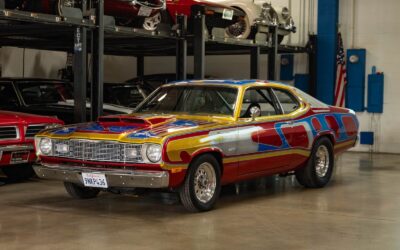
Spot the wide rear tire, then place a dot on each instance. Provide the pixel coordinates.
(319, 168)
(80, 192)
(202, 185)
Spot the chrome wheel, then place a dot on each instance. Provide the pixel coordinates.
(239, 29)
(151, 23)
(322, 161)
(205, 182)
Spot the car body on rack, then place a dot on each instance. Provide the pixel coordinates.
(17, 131)
(44, 97)
(140, 13)
(194, 136)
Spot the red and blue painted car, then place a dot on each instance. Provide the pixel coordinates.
(193, 137)
(17, 131)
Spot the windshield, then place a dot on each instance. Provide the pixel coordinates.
(192, 100)
(44, 92)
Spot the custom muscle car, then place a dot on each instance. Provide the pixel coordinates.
(192, 137)
(44, 97)
(16, 142)
(260, 15)
(141, 13)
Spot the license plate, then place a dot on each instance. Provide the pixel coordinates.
(19, 157)
(144, 11)
(96, 180)
(227, 14)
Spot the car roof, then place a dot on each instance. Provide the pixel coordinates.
(237, 83)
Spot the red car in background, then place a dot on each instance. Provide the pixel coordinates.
(17, 152)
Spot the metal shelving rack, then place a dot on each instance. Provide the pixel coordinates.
(99, 35)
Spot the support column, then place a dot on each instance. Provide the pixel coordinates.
(80, 74)
(199, 43)
(140, 66)
(255, 62)
(273, 54)
(98, 63)
(181, 48)
(328, 15)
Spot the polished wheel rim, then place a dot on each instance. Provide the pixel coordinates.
(237, 30)
(322, 161)
(68, 3)
(205, 182)
(151, 23)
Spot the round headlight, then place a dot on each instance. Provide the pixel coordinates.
(45, 146)
(153, 153)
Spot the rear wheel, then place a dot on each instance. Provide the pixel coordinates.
(202, 185)
(319, 168)
(18, 172)
(241, 29)
(80, 192)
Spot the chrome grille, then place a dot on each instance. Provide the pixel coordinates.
(32, 130)
(102, 151)
(9, 133)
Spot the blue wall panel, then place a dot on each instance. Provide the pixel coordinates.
(287, 67)
(367, 138)
(375, 93)
(302, 82)
(328, 14)
(355, 90)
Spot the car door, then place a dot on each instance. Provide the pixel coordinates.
(263, 153)
(297, 132)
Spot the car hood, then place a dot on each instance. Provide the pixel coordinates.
(14, 118)
(137, 128)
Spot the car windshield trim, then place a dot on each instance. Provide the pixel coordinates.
(227, 108)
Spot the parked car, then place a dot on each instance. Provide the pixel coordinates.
(17, 131)
(217, 15)
(192, 137)
(140, 13)
(126, 94)
(260, 15)
(44, 97)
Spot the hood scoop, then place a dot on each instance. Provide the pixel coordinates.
(131, 121)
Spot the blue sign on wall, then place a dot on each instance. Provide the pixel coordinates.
(375, 93)
(355, 91)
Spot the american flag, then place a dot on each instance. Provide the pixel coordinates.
(341, 77)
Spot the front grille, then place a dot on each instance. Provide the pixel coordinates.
(9, 133)
(102, 151)
(32, 130)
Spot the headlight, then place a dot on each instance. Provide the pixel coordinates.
(153, 152)
(45, 146)
(52, 125)
(285, 12)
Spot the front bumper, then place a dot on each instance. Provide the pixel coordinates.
(115, 178)
(13, 148)
(7, 152)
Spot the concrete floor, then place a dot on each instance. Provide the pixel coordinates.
(360, 209)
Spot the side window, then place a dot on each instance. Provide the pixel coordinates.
(8, 98)
(288, 102)
(259, 97)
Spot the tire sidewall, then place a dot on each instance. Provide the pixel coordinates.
(192, 171)
(322, 181)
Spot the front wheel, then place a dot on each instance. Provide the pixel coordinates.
(319, 168)
(80, 192)
(241, 29)
(202, 185)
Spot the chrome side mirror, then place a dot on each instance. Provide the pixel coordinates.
(255, 112)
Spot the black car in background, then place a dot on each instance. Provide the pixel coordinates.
(126, 94)
(45, 97)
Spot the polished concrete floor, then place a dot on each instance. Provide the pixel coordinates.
(360, 209)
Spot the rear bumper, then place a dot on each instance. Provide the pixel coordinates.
(115, 178)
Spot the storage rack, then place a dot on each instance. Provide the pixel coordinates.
(98, 36)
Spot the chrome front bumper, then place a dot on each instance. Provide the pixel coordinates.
(115, 178)
(13, 148)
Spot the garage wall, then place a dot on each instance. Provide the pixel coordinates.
(376, 28)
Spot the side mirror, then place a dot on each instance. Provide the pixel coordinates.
(255, 112)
